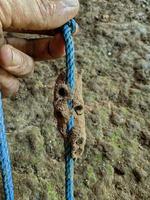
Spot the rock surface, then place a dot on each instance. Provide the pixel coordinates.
(113, 49)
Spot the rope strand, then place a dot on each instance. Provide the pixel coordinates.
(5, 164)
(68, 29)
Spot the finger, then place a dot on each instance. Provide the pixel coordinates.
(9, 85)
(44, 49)
(40, 49)
(36, 15)
(15, 61)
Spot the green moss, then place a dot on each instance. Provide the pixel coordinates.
(109, 169)
(97, 159)
(91, 175)
(125, 111)
(90, 96)
(117, 135)
(39, 84)
(52, 194)
(117, 142)
(134, 147)
(104, 116)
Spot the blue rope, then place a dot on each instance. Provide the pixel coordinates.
(5, 164)
(68, 30)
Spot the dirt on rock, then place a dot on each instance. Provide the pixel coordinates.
(113, 49)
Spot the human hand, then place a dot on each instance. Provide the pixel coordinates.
(17, 55)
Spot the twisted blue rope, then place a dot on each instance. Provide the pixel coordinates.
(5, 165)
(68, 29)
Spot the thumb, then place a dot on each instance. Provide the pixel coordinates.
(36, 15)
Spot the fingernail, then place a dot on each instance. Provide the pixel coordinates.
(16, 58)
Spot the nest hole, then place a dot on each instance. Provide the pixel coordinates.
(80, 141)
(79, 109)
(62, 92)
(59, 115)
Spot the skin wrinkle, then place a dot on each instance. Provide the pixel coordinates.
(43, 8)
(5, 13)
(50, 8)
(9, 86)
(31, 15)
(47, 8)
(21, 65)
(25, 67)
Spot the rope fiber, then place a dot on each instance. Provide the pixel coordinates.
(68, 30)
(5, 164)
